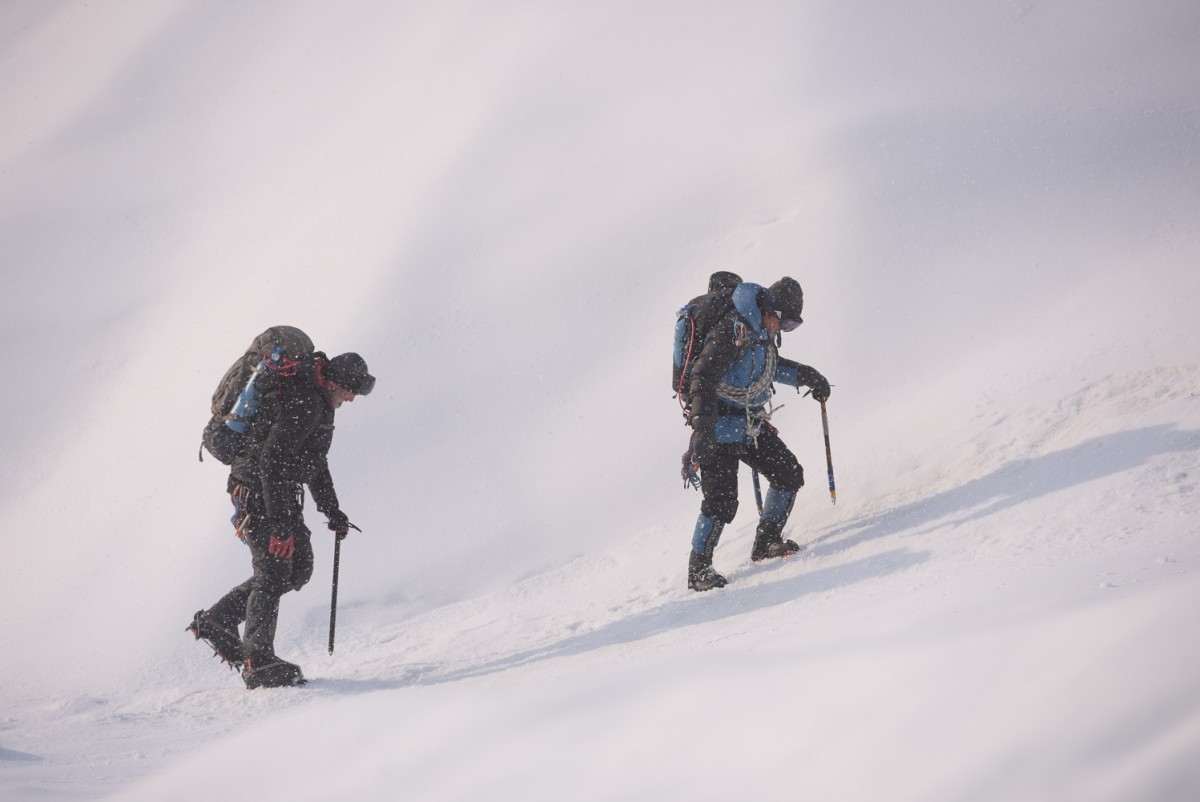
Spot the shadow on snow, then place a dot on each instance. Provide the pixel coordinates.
(689, 610)
(1016, 483)
(1013, 484)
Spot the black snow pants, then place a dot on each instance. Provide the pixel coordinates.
(256, 601)
(719, 474)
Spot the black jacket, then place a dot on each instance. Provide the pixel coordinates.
(289, 447)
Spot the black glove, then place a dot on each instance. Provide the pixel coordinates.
(820, 388)
(339, 523)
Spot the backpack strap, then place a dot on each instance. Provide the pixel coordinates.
(686, 314)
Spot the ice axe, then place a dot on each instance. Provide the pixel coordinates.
(828, 453)
(337, 558)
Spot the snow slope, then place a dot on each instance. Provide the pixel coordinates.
(994, 212)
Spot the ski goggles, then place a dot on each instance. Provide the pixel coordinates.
(789, 325)
(363, 385)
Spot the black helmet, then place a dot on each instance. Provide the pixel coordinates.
(785, 298)
(723, 280)
(349, 371)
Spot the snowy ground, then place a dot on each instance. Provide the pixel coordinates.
(994, 212)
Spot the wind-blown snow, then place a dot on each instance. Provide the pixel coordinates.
(994, 210)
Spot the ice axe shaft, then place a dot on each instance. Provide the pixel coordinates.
(337, 559)
(757, 490)
(828, 453)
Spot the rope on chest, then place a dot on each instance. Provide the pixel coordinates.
(742, 397)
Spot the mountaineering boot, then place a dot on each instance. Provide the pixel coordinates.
(769, 543)
(225, 641)
(271, 672)
(701, 575)
(707, 533)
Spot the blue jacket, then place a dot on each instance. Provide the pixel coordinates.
(736, 371)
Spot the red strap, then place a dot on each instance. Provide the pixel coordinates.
(686, 362)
